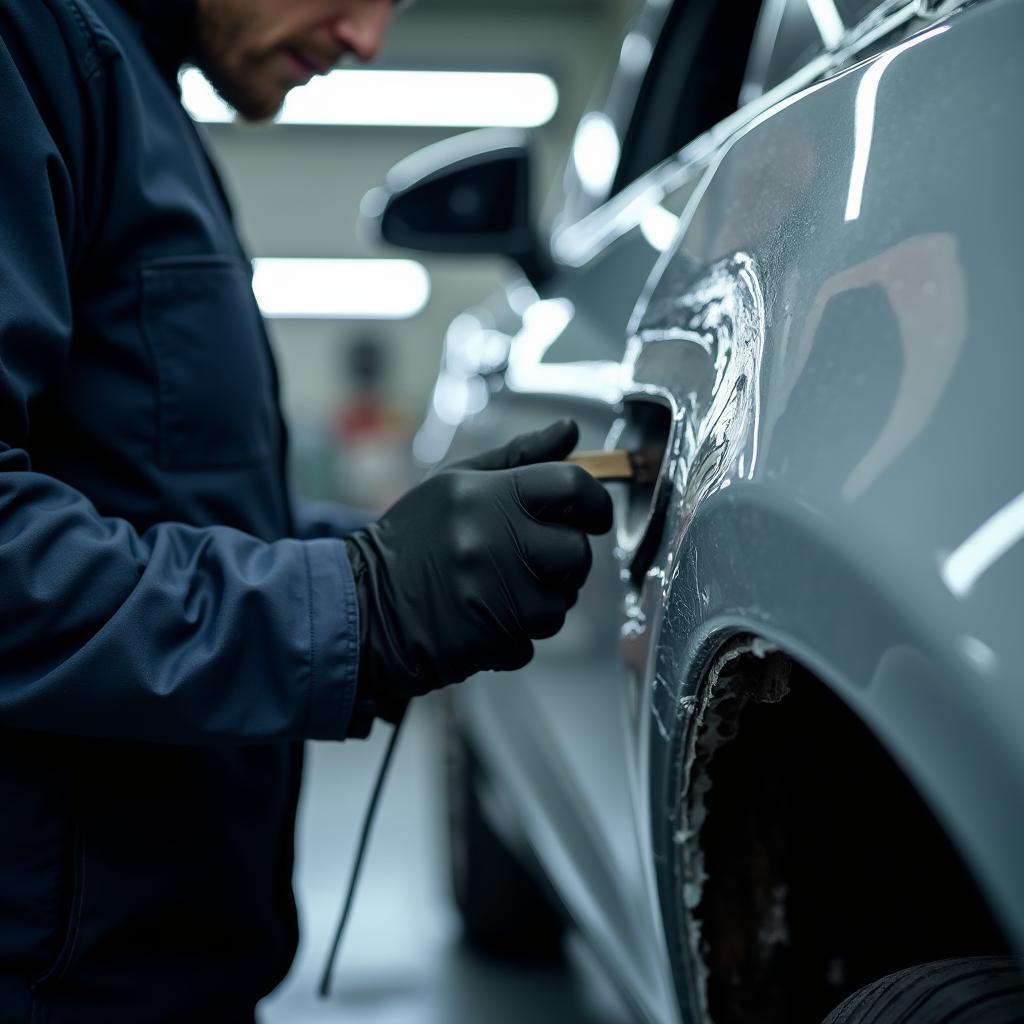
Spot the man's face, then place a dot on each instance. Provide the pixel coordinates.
(255, 51)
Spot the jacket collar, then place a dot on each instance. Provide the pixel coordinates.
(168, 28)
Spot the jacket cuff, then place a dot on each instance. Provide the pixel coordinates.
(333, 641)
(327, 519)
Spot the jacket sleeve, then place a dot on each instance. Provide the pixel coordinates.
(327, 519)
(178, 634)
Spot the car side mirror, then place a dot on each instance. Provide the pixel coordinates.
(469, 194)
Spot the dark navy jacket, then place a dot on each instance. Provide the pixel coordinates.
(170, 629)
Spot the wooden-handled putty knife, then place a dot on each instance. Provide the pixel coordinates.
(640, 467)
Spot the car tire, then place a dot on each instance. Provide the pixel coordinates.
(505, 913)
(976, 990)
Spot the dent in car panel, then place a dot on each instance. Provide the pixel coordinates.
(699, 347)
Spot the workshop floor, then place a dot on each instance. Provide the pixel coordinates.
(401, 961)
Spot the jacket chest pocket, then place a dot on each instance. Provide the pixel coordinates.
(215, 388)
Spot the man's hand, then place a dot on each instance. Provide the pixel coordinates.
(471, 566)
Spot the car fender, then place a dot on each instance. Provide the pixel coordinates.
(837, 332)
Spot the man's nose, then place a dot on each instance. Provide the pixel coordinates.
(362, 31)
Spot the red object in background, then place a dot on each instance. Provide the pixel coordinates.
(372, 460)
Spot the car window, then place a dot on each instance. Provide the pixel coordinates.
(789, 33)
(597, 147)
(679, 72)
(693, 81)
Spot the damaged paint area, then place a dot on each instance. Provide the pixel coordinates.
(693, 397)
(714, 715)
(698, 346)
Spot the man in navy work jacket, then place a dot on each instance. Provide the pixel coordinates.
(171, 625)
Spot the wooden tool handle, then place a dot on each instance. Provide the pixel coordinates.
(613, 465)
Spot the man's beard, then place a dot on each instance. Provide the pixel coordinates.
(244, 83)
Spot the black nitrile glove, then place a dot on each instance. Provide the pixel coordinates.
(471, 566)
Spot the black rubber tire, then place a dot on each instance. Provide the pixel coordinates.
(978, 990)
(505, 912)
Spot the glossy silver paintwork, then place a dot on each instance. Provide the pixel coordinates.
(836, 330)
(881, 426)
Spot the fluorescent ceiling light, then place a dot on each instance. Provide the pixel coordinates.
(596, 152)
(452, 99)
(311, 289)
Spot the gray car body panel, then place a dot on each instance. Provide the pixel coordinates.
(836, 328)
(849, 484)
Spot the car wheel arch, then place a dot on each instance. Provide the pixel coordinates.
(713, 606)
